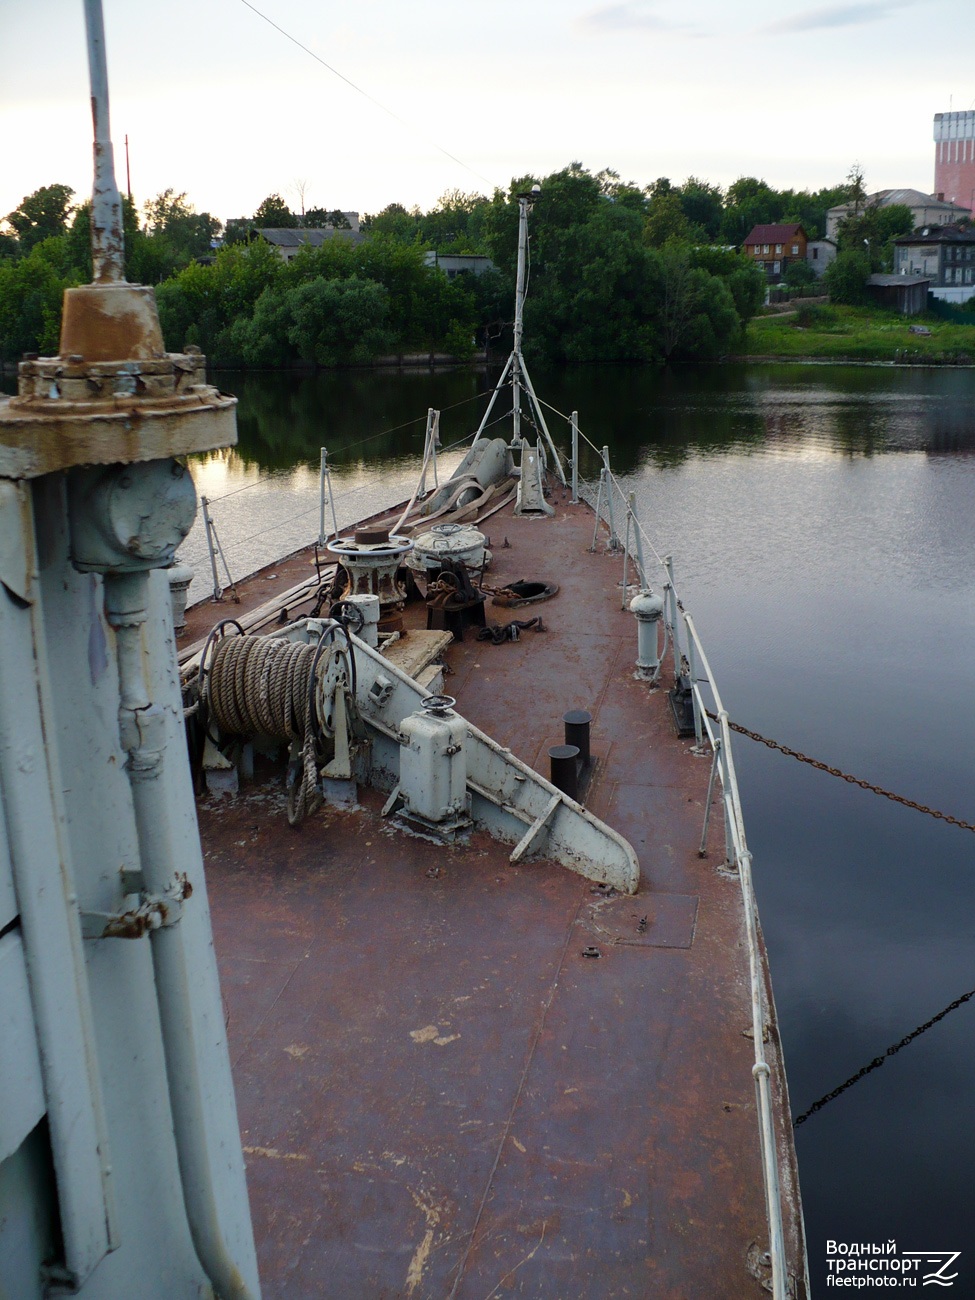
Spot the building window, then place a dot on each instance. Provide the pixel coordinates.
(776, 267)
(765, 248)
(815, 254)
(795, 250)
(778, 248)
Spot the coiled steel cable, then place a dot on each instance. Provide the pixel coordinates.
(262, 686)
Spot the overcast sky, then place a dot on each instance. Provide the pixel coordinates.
(219, 104)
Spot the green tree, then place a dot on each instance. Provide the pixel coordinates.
(698, 320)
(184, 233)
(274, 214)
(200, 303)
(745, 283)
(665, 218)
(873, 232)
(395, 222)
(856, 188)
(41, 215)
(31, 293)
(703, 206)
(339, 322)
(798, 274)
(845, 279)
(456, 224)
(749, 202)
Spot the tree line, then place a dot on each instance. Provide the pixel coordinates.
(618, 272)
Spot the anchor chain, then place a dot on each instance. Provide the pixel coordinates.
(845, 776)
(878, 1061)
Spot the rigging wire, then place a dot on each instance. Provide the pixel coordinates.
(372, 99)
(360, 442)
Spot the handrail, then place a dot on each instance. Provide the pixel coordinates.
(739, 859)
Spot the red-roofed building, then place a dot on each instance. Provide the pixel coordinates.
(773, 247)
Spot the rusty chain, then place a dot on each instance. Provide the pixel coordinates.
(845, 776)
(878, 1061)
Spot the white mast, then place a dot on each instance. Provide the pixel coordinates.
(515, 368)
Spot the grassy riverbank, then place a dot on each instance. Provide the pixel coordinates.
(833, 333)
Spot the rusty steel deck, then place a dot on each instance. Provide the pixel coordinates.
(439, 1094)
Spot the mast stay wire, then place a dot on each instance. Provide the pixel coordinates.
(360, 442)
(365, 94)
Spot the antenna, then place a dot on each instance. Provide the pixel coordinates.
(107, 249)
(515, 365)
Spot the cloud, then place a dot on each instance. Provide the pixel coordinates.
(833, 16)
(627, 16)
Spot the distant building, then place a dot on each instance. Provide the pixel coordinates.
(288, 241)
(819, 254)
(945, 255)
(907, 294)
(454, 263)
(926, 209)
(954, 158)
(771, 248)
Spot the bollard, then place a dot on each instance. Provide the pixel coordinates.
(577, 723)
(564, 770)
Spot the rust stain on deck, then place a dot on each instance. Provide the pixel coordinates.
(484, 1109)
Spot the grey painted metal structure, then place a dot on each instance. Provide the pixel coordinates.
(120, 1164)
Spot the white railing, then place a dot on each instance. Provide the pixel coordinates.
(711, 727)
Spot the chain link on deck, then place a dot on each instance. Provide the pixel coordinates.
(878, 1061)
(845, 776)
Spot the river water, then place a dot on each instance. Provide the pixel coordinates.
(822, 521)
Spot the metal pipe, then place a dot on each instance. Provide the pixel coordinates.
(540, 417)
(107, 244)
(494, 397)
(626, 559)
(142, 727)
(208, 527)
(692, 663)
(631, 503)
(614, 541)
(575, 457)
(599, 503)
(702, 852)
(523, 204)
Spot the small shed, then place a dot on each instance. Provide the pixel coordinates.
(908, 294)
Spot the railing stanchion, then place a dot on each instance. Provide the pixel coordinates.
(626, 557)
(325, 494)
(575, 457)
(707, 807)
(214, 547)
(638, 538)
(614, 541)
(599, 503)
(208, 525)
(692, 662)
(675, 619)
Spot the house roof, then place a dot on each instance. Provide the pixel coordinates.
(886, 281)
(774, 234)
(285, 237)
(939, 235)
(910, 199)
